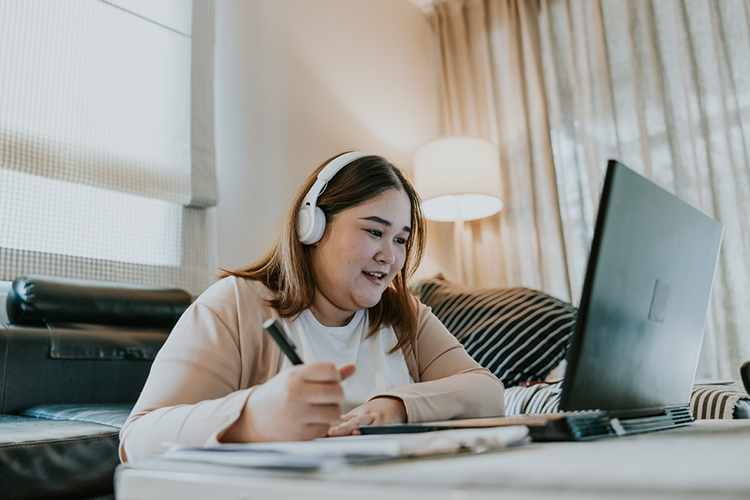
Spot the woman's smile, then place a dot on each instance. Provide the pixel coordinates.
(375, 277)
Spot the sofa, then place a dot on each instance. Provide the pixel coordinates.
(74, 355)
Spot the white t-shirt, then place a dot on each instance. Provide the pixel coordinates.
(377, 371)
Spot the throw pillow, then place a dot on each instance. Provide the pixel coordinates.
(519, 334)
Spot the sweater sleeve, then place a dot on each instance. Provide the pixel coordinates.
(450, 383)
(200, 381)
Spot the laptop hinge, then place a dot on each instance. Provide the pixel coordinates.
(584, 426)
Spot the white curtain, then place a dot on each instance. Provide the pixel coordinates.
(562, 85)
(106, 139)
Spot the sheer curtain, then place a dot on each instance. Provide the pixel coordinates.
(562, 85)
(106, 139)
(492, 87)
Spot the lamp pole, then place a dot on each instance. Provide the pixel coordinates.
(458, 250)
(458, 179)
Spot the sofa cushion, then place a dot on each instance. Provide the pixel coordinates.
(112, 415)
(517, 333)
(41, 458)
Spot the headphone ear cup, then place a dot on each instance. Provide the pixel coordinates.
(311, 223)
(319, 225)
(303, 223)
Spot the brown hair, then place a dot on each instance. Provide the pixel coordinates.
(286, 266)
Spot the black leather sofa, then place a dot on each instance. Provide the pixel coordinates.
(74, 356)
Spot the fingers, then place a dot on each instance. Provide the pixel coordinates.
(350, 425)
(322, 415)
(326, 372)
(346, 371)
(317, 383)
(377, 411)
(316, 393)
(318, 372)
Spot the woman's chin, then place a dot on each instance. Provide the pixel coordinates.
(369, 295)
(369, 301)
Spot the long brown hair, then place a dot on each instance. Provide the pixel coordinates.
(286, 266)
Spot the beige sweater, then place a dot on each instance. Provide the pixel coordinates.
(218, 352)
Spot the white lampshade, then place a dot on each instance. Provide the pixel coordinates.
(458, 177)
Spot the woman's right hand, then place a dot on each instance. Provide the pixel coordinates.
(296, 405)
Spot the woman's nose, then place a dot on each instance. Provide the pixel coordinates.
(386, 255)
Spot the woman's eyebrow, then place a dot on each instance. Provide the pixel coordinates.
(386, 223)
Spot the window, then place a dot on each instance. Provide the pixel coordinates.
(106, 139)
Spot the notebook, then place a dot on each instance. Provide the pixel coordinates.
(634, 352)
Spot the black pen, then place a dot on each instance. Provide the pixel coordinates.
(286, 345)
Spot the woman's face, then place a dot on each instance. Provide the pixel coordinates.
(360, 253)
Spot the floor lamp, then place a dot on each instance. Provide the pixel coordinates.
(458, 179)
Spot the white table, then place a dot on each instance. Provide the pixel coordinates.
(708, 459)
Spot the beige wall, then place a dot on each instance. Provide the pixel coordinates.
(300, 80)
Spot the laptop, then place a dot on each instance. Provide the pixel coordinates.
(638, 335)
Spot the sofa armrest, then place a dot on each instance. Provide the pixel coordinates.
(37, 299)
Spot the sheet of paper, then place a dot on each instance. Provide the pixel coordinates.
(313, 454)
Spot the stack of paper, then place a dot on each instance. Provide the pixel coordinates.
(316, 453)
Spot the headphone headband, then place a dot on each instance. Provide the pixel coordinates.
(311, 221)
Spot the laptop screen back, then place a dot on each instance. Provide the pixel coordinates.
(644, 301)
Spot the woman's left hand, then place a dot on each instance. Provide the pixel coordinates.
(378, 411)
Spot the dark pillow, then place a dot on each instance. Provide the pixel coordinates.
(519, 334)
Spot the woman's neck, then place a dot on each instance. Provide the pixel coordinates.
(328, 314)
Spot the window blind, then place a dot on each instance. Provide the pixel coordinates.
(106, 139)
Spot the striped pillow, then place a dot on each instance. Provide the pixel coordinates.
(719, 401)
(519, 334)
(706, 401)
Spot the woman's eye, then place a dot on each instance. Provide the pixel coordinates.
(400, 241)
(375, 232)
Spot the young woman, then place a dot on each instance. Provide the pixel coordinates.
(336, 277)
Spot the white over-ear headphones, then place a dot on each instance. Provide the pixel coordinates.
(311, 221)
